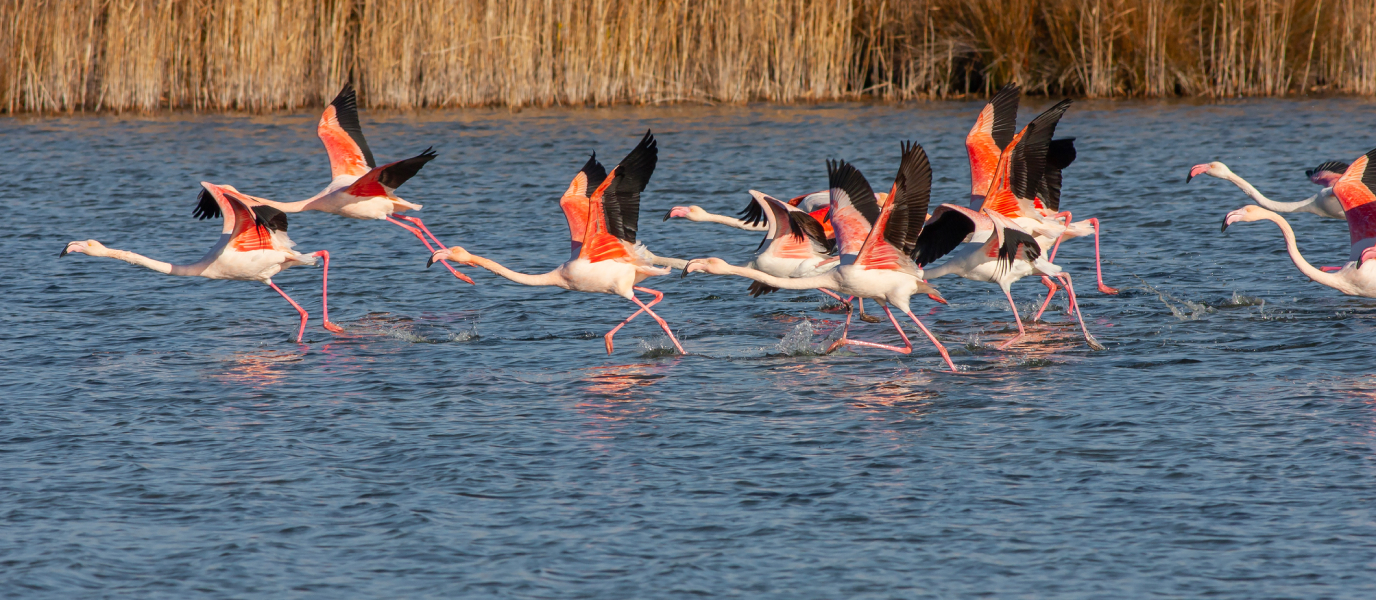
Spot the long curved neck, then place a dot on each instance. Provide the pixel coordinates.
(292, 207)
(827, 279)
(1309, 271)
(731, 222)
(134, 258)
(1268, 203)
(551, 278)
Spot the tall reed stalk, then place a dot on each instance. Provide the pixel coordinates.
(69, 55)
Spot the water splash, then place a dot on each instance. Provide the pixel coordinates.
(656, 347)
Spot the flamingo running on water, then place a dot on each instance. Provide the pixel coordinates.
(1355, 190)
(359, 189)
(253, 246)
(1324, 203)
(602, 210)
(874, 243)
(1008, 251)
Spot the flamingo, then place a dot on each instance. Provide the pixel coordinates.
(1324, 203)
(253, 246)
(993, 130)
(1009, 251)
(602, 210)
(1355, 190)
(359, 189)
(874, 244)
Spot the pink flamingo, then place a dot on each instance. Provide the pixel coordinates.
(1324, 203)
(1355, 190)
(874, 244)
(360, 189)
(606, 257)
(253, 246)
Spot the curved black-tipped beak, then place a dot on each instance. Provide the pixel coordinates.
(1225, 225)
(668, 214)
(64, 251)
(431, 262)
(1189, 177)
(685, 272)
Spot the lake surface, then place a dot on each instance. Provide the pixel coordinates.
(165, 437)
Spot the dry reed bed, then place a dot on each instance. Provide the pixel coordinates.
(266, 54)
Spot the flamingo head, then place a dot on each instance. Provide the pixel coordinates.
(1245, 214)
(1213, 169)
(88, 247)
(454, 253)
(1327, 174)
(715, 266)
(692, 213)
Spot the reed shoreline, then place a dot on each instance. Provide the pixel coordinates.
(268, 55)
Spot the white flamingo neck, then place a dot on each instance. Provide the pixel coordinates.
(135, 258)
(1328, 279)
(826, 280)
(728, 221)
(553, 278)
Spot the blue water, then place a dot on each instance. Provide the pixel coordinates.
(165, 438)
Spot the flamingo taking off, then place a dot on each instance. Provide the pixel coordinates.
(359, 189)
(1008, 251)
(1355, 190)
(874, 243)
(253, 246)
(1324, 203)
(602, 210)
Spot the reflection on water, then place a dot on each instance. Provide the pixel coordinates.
(164, 436)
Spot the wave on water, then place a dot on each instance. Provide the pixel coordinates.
(410, 330)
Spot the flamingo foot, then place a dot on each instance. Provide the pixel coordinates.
(1010, 341)
(1107, 290)
(331, 327)
(868, 318)
(608, 339)
(1093, 343)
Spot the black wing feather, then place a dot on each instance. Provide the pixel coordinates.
(845, 177)
(1012, 240)
(941, 236)
(1030, 156)
(206, 207)
(621, 201)
(1059, 156)
(595, 173)
(913, 188)
(397, 173)
(1332, 166)
(758, 289)
(1369, 177)
(273, 219)
(805, 225)
(753, 213)
(1005, 104)
(346, 112)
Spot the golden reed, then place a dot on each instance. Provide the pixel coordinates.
(69, 55)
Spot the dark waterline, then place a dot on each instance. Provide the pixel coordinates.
(163, 437)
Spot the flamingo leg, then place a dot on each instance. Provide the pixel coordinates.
(907, 345)
(1098, 267)
(1057, 245)
(1089, 339)
(846, 330)
(418, 234)
(644, 308)
(844, 303)
(1014, 306)
(325, 293)
(1050, 291)
(302, 331)
(940, 348)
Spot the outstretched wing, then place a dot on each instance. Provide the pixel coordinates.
(1022, 165)
(574, 202)
(949, 226)
(992, 132)
(384, 180)
(1355, 191)
(249, 227)
(1058, 156)
(853, 208)
(792, 233)
(614, 208)
(895, 232)
(343, 136)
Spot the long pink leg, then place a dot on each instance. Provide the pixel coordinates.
(1050, 291)
(645, 308)
(1089, 339)
(939, 347)
(325, 293)
(1014, 306)
(417, 233)
(908, 346)
(302, 331)
(1098, 267)
(844, 332)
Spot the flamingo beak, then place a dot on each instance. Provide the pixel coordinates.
(433, 260)
(677, 211)
(64, 251)
(1196, 171)
(1229, 219)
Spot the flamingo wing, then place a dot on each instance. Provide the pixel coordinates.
(1058, 156)
(853, 208)
(343, 136)
(992, 132)
(614, 208)
(792, 232)
(384, 180)
(949, 226)
(1011, 243)
(1014, 188)
(249, 227)
(574, 202)
(1355, 191)
(1326, 169)
(894, 234)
